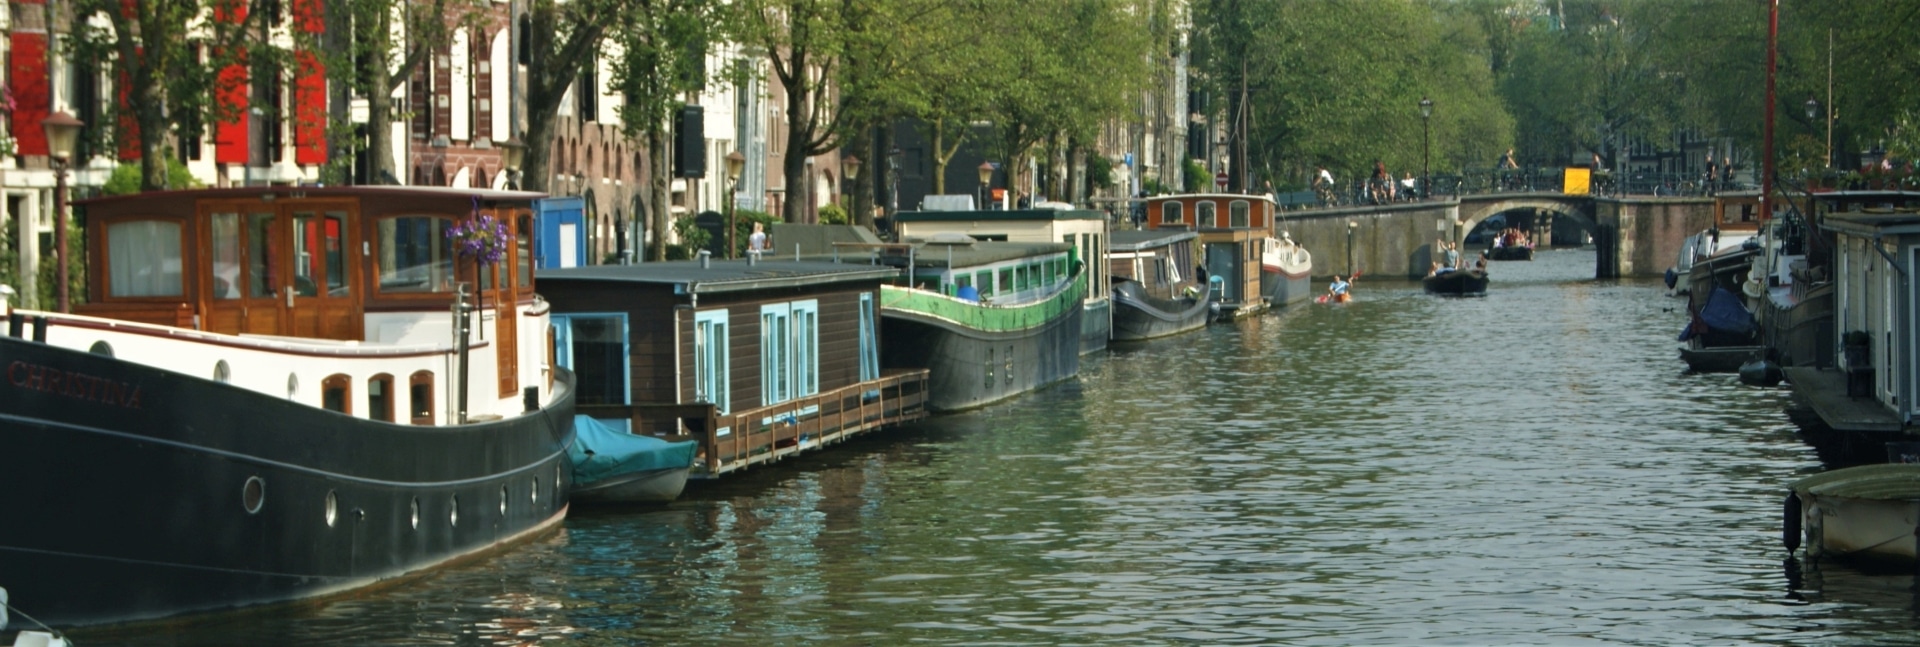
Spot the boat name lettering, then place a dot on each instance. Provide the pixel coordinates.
(79, 386)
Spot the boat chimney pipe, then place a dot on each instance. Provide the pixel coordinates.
(706, 259)
(753, 258)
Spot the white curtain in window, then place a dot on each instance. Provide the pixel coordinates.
(143, 258)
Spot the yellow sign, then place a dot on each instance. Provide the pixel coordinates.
(1576, 180)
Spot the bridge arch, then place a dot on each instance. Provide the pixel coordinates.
(1577, 208)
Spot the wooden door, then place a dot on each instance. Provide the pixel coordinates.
(320, 271)
(246, 268)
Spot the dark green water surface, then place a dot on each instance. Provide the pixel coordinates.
(1527, 468)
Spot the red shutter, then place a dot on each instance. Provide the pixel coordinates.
(27, 68)
(230, 90)
(129, 128)
(309, 90)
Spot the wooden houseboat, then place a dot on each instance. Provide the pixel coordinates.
(1085, 230)
(1155, 293)
(1234, 232)
(274, 394)
(990, 320)
(756, 359)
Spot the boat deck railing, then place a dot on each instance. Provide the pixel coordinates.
(987, 315)
(741, 439)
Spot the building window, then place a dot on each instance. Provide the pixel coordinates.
(380, 398)
(420, 397)
(710, 356)
(594, 347)
(336, 393)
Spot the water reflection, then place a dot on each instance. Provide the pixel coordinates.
(1531, 467)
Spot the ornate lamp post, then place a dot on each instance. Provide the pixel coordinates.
(986, 178)
(1426, 147)
(512, 152)
(62, 131)
(735, 163)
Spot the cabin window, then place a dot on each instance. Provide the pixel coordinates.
(523, 245)
(789, 350)
(380, 398)
(984, 280)
(226, 255)
(1206, 215)
(1006, 279)
(143, 258)
(1170, 213)
(317, 255)
(260, 260)
(869, 340)
(413, 255)
(1237, 213)
(336, 393)
(420, 397)
(594, 347)
(710, 357)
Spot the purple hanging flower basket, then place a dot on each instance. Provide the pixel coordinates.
(483, 239)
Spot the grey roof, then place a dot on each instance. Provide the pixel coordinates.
(979, 253)
(689, 277)
(1873, 222)
(1134, 240)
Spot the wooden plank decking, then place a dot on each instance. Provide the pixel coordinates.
(1826, 392)
(742, 439)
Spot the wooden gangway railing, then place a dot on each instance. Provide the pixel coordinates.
(741, 439)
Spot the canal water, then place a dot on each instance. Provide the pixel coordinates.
(1531, 467)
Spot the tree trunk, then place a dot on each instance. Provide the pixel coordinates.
(861, 206)
(149, 99)
(539, 154)
(657, 185)
(380, 166)
(793, 165)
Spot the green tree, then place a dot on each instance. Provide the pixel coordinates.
(661, 55)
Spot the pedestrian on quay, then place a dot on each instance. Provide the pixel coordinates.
(757, 241)
(1713, 171)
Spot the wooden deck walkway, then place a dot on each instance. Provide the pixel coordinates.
(741, 439)
(1825, 390)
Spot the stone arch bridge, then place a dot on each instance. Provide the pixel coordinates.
(1632, 236)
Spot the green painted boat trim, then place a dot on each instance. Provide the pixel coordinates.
(986, 317)
(1885, 481)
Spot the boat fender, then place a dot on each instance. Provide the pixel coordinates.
(1790, 524)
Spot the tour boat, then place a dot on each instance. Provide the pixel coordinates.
(1153, 293)
(274, 394)
(1511, 253)
(989, 320)
(1469, 282)
(1285, 271)
(1864, 513)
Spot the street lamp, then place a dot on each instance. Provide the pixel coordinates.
(986, 178)
(1426, 147)
(512, 152)
(62, 131)
(735, 163)
(1351, 225)
(850, 167)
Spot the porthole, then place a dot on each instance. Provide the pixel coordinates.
(556, 482)
(333, 508)
(503, 500)
(101, 348)
(415, 520)
(453, 511)
(221, 372)
(253, 495)
(293, 385)
(534, 494)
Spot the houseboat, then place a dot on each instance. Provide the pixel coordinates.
(755, 359)
(1872, 386)
(273, 394)
(1085, 230)
(1233, 232)
(990, 320)
(1155, 293)
(1286, 271)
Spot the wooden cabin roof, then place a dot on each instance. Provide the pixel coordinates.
(688, 277)
(1139, 239)
(1010, 215)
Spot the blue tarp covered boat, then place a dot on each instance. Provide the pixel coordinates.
(612, 465)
